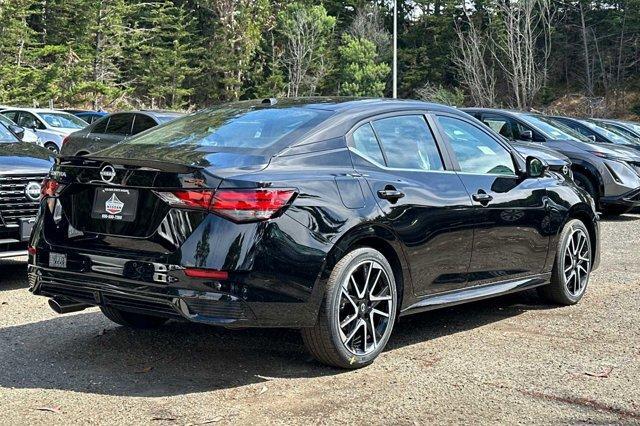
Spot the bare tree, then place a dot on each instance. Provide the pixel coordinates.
(471, 58)
(306, 31)
(516, 48)
(368, 24)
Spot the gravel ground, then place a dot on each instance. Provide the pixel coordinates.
(508, 360)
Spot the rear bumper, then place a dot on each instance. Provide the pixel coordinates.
(233, 304)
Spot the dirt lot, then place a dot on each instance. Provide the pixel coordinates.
(506, 360)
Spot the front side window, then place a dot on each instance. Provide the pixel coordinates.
(366, 144)
(476, 151)
(408, 143)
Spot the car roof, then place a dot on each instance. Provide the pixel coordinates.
(37, 110)
(506, 111)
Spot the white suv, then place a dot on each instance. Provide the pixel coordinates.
(51, 126)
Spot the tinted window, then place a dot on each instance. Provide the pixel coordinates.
(476, 151)
(120, 124)
(501, 125)
(243, 128)
(142, 123)
(29, 121)
(12, 115)
(100, 126)
(365, 142)
(408, 143)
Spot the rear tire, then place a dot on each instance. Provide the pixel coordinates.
(358, 311)
(52, 147)
(132, 320)
(572, 266)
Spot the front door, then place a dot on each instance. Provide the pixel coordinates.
(425, 204)
(511, 220)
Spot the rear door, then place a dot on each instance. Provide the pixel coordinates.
(423, 201)
(511, 218)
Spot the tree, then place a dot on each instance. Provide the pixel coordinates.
(361, 75)
(473, 59)
(306, 31)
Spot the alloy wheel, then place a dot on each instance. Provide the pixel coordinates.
(365, 307)
(577, 262)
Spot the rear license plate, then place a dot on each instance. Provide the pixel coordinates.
(57, 260)
(26, 226)
(118, 204)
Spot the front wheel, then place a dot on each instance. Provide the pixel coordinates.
(572, 266)
(357, 313)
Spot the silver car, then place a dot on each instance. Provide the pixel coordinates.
(26, 136)
(49, 125)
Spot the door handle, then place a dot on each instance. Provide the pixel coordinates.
(482, 198)
(390, 193)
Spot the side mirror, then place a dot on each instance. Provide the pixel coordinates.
(536, 167)
(526, 135)
(592, 137)
(17, 130)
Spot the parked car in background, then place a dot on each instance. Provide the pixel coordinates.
(610, 173)
(114, 128)
(620, 127)
(595, 131)
(23, 166)
(335, 217)
(25, 135)
(49, 125)
(87, 115)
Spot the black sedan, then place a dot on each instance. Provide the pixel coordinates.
(334, 217)
(113, 128)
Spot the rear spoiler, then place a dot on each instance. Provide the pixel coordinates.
(90, 161)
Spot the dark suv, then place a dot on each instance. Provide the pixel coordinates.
(113, 128)
(609, 172)
(23, 166)
(334, 217)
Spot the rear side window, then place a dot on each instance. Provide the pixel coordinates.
(101, 126)
(243, 128)
(120, 124)
(408, 143)
(365, 142)
(142, 123)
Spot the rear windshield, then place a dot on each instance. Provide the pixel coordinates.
(231, 127)
(63, 120)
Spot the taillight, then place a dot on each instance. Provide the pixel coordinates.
(250, 205)
(240, 205)
(49, 188)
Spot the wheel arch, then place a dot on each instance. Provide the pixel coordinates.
(382, 239)
(591, 172)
